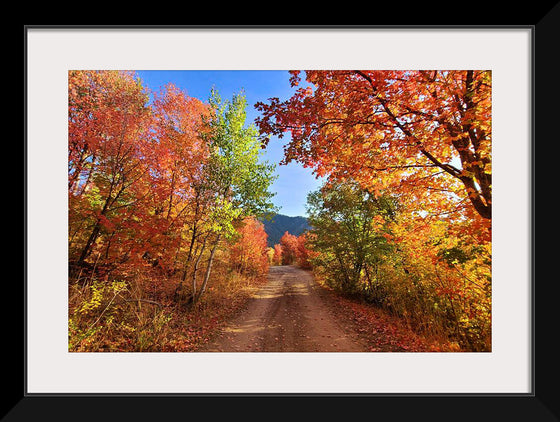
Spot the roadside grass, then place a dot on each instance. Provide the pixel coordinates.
(383, 332)
(139, 313)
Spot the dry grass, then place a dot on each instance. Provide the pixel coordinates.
(140, 313)
(385, 332)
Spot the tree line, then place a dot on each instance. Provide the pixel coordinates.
(403, 220)
(159, 185)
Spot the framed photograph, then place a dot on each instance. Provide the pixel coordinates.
(492, 359)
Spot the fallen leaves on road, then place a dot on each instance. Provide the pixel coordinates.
(383, 332)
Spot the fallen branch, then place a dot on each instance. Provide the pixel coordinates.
(146, 301)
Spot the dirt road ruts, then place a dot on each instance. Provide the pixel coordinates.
(289, 314)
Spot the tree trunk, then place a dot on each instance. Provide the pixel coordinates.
(96, 230)
(189, 256)
(195, 269)
(87, 248)
(208, 269)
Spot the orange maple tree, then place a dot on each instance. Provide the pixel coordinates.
(289, 244)
(108, 125)
(304, 254)
(277, 255)
(248, 254)
(176, 159)
(423, 134)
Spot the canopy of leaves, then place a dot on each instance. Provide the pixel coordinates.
(425, 135)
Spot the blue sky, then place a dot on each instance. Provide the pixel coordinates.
(294, 182)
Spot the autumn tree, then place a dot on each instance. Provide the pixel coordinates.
(439, 277)
(249, 251)
(350, 230)
(270, 255)
(177, 157)
(134, 168)
(108, 131)
(289, 245)
(277, 255)
(425, 135)
(236, 176)
(304, 254)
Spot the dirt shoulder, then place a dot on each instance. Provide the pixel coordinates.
(377, 330)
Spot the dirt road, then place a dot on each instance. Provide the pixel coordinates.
(290, 313)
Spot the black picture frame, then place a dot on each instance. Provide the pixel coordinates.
(539, 405)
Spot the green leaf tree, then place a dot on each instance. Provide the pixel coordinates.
(349, 232)
(237, 177)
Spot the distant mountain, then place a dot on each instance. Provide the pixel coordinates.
(280, 224)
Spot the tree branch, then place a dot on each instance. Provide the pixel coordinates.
(455, 172)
